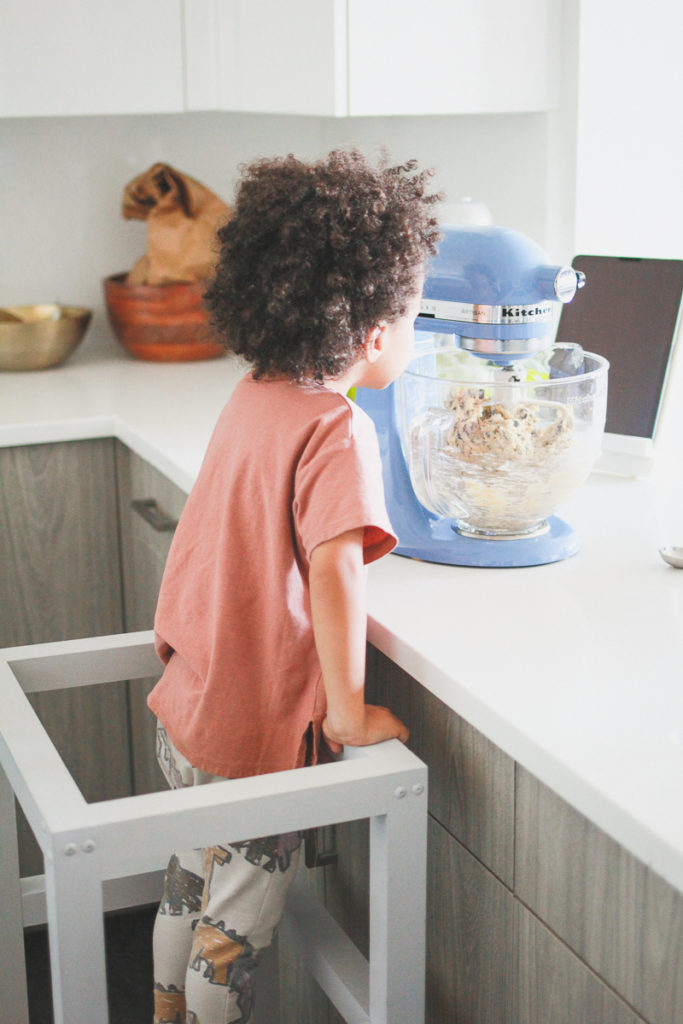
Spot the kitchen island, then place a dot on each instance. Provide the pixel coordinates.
(571, 672)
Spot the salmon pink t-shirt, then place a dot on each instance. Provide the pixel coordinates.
(289, 466)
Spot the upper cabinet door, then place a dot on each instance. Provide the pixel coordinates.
(84, 57)
(271, 56)
(450, 56)
(370, 57)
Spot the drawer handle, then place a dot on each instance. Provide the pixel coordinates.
(152, 514)
(314, 856)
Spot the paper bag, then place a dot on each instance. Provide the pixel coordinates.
(182, 219)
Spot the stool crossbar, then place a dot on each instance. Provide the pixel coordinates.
(111, 854)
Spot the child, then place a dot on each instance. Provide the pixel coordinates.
(261, 621)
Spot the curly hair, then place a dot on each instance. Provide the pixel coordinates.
(316, 254)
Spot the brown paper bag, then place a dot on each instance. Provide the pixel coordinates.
(182, 219)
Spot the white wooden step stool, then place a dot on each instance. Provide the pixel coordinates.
(112, 854)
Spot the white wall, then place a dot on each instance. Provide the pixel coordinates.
(63, 178)
(497, 158)
(629, 197)
(62, 230)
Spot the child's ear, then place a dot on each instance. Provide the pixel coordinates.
(374, 342)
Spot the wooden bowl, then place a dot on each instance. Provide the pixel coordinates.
(37, 337)
(161, 322)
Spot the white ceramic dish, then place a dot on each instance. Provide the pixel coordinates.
(673, 555)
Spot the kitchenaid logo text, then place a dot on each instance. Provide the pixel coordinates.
(476, 313)
(526, 312)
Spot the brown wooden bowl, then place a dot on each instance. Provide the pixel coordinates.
(161, 322)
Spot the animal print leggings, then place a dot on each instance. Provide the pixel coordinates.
(219, 911)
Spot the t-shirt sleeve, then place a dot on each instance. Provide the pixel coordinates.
(338, 485)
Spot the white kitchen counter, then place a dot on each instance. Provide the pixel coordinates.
(574, 669)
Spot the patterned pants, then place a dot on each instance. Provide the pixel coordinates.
(219, 911)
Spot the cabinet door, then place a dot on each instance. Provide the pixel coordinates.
(59, 579)
(471, 781)
(623, 920)
(450, 56)
(146, 534)
(332, 57)
(281, 58)
(76, 57)
(301, 999)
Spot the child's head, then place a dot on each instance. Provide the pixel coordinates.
(315, 255)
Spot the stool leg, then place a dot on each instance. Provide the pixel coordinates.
(398, 862)
(73, 893)
(13, 995)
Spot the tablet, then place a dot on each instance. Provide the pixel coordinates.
(629, 312)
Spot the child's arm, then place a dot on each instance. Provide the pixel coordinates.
(338, 605)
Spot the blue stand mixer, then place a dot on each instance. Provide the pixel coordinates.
(491, 425)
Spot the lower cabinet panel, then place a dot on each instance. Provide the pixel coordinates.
(59, 579)
(59, 572)
(491, 961)
(470, 937)
(552, 986)
(616, 914)
(301, 1000)
(529, 920)
(144, 550)
(471, 781)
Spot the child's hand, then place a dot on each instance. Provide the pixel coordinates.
(378, 724)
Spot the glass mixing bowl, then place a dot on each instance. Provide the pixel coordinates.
(499, 448)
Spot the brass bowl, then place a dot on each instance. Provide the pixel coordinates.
(161, 322)
(36, 337)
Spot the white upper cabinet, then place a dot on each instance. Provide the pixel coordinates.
(267, 56)
(450, 56)
(89, 57)
(364, 57)
(330, 58)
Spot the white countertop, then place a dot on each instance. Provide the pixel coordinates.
(574, 669)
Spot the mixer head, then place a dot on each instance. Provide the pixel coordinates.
(493, 289)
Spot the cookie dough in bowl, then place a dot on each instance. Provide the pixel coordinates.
(499, 453)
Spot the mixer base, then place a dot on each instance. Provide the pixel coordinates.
(447, 546)
(540, 530)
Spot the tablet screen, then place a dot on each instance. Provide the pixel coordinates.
(627, 312)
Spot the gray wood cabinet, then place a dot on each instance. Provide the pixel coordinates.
(470, 932)
(59, 579)
(78, 559)
(301, 999)
(619, 917)
(149, 505)
(470, 915)
(471, 781)
(552, 986)
(534, 916)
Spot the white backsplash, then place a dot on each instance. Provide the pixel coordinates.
(63, 179)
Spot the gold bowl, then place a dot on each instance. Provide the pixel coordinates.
(36, 337)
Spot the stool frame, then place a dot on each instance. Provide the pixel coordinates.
(112, 854)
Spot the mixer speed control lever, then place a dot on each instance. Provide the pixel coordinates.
(567, 282)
